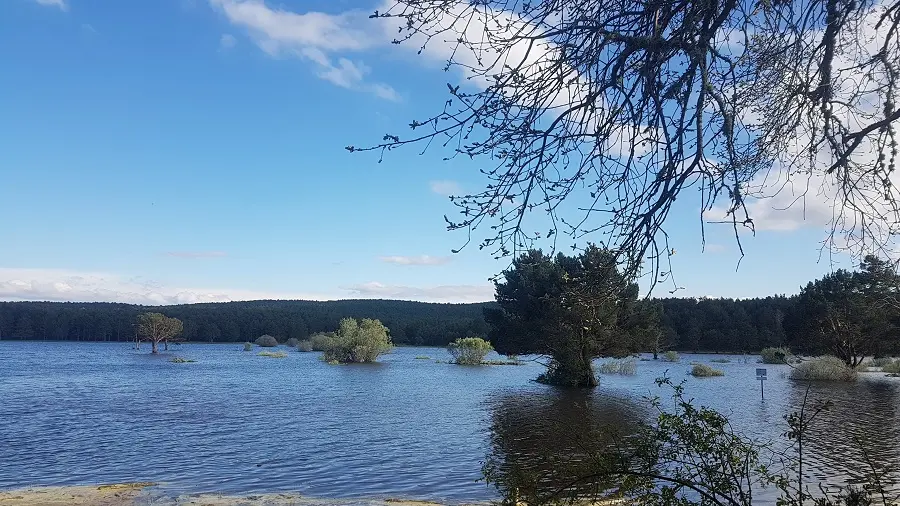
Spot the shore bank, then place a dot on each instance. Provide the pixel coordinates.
(141, 494)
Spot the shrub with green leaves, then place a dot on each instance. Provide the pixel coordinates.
(272, 354)
(671, 356)
(321, 341)
(358, 341)
(266, 341)
(705, 371)
(292, 342)
(305, 345)
(881, 361)
(625, 367)
(772, 355)
(469, 350)
(248, 346)
(892, 368)
(825, 368)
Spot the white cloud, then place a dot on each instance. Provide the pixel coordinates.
(445, 293)
(65, 285)
(414, 260)
(196, 254)
(445, 187)
(54, 3)
(227, 41)
(312, 36)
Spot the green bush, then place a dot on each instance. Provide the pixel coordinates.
(292, 342)
(774, 355)
(358, 342)
(266, 341)
(272, 354)
(320, 342)
(469, 350)
(881, 361)
(825, 368)
(671, 356)
(305, 345)
(248, 346)
(179, 360)
(892, 368)
(626, 367)
(705, 371)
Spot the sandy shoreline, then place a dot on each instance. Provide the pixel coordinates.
(141, 494)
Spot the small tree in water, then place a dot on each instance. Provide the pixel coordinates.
(157, 327)
(469, 350)
(358, 341)
(572, 309)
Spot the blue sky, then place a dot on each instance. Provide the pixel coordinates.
(192, 150)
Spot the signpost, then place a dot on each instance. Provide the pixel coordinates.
(761, 376)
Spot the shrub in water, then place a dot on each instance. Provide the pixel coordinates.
(626, 367)
(292, 342)
(469, 350)
(305, 345)
(248, 346)
(774, 355)
(358, 342)
(272, 354)
(671, 356)
(321, 341)
(826, 368)
(179, 360)
(882, 361)
(705, 371)
(266, 341)
(892, 368)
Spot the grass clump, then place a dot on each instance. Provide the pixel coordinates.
(305, 345)
(772, 355)
(272, 354)
(825, 368)
(705, 371)
(248, 346)
(422, 357)
(179, 360)
(469, 350)
(671, 356)
(626, 367)
(267, 341)
(358, 341)
(721, 361)
(892, 368)
(292, 342)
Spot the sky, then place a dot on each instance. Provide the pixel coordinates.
(179, 151)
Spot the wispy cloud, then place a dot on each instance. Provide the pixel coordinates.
(66, 285)
(196, 254)
(54, 3)
(311, 36)
(414, 260)
(444, 293)
(445, 187)
(227, 41)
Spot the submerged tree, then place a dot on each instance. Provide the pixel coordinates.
(157, 327)
(851, 315)
(572, 309)
(602, 113)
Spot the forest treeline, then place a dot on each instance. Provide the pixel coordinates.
(687, 324)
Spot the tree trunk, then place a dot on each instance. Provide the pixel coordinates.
(155, 350)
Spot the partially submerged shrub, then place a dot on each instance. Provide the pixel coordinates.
(825, 368)
(469, 350)
(292, 342)
(671, 356)
(772, 355)
(272, 354)
(358, 342)
(305, 345)
(266, 341)
(720, 361)
(705, 371)
(248, 346)
(881, 362)
(892, 368)
(626, 367)
(422, 357)
(179, 360)
(320, 342)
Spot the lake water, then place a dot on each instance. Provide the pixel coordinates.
(235, 422)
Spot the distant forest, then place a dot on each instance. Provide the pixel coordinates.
(715, 325)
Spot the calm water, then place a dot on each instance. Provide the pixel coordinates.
(80, 413)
